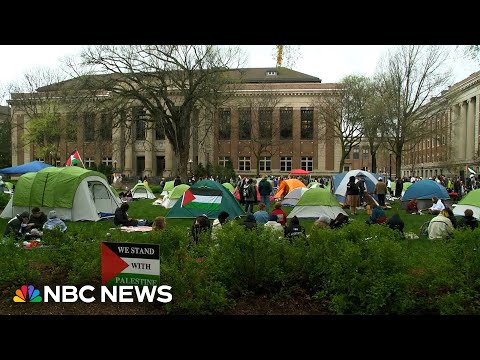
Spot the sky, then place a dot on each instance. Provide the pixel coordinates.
(327, 62)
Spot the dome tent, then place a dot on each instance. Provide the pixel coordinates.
(293, 196)
(142, 191)
(423, 191)
(470, 201)
(229, 187)
(173, 196)
(339, 182)
(316, 202)
(74, 193)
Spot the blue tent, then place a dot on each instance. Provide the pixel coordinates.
(339, 182)
(33, 166)
(423, 191)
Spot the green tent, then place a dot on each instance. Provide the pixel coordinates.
(142, 191)
(172, 197)
(168, 187)
(205, 197)
(229, 187)
(8, 185)
(316, 202)
(470, 201)
(73, 192)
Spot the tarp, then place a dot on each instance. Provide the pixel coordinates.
(316, 202)
(470, 201)
(339, 182)
(423, 191)
(33, 166)
(142, 191)
(221, 194)
(286, 186)
(291, 199)
(73, 192)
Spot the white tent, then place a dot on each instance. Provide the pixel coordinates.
(341, 186)
(291, 199)
(142, 191)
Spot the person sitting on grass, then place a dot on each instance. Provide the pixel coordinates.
(261, 216)
(440, 226)
(437, 206)
(159, 223)
(281, 215)
(219, 222)
(250, 223)
(396, 223)
(54, 222)
(322, 222)
(37, 219)
(378, 215)
(17, 226)
(294, 229)
(274, 224)
(121, 217)
(201, 225)
(412, 207)
(339, 221)
(468, 221)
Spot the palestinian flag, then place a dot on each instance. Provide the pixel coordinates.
(74, 159)
(470, 170)
(202, 199)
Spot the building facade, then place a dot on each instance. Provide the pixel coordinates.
(455, 135)
(270, 121)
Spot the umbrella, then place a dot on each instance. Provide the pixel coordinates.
(299, 172)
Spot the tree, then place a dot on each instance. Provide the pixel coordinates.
(472, 52)
(170, 82)
(5, 137)
(409, 77)
(287, 55)
(342, 113)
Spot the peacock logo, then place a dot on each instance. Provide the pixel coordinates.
(27, 294)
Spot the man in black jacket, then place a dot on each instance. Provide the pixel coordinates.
(17, 226)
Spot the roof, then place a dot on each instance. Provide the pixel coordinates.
(245, 75)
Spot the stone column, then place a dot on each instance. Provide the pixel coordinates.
(148, 151)
(15, 138)
(117, 147)
(470, 139)
(460, 123)
(476, 119)
(129, 150)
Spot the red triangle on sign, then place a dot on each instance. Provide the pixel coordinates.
(112, 264)
(187, 197)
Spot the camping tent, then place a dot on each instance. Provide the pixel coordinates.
(423, 191)
(299, 172)
(291, 199)
(205, 197)
(286, 186)
(470, 201)
(73, 192)
(168, 187)
(339, 182)
(172, 197)
(315, 184)
(142, 191)
(229, 187)
(316, 202)
(33, 166)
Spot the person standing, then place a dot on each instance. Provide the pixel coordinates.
(380, 189)
(250, 195)
(265, 189)
(361, 189)
(352, 195)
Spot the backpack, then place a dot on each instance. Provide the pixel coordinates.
(246, 190)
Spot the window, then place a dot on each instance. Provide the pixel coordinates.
(306, 122)
(265, 163)
(223, 160)
(40, 159)
(72, 123)
(107, 161)
(89, 162)
(159, 131)
(244, 163)
(272, 73)
(244, 124)
(286, 123)
(307, 163)
(139, 118)
(89, 126)
(224, 127)
(106, 127)
(265, 123)
(285, 163)
(444, 139)
(365, 153)
(160, 165)
(356, 152)
(346, 168)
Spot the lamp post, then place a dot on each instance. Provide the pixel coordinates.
(390, 177)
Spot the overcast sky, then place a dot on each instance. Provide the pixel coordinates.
(328, 62)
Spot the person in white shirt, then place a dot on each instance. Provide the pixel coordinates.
(437, 206)
(440, 226)
(272, 223)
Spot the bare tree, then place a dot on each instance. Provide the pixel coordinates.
(409, 77)
(169, 82)
(342, 113)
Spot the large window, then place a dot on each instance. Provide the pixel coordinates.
(139, 119)
(286, 123)
(365, 153)
(89, 126)
(307, 163)
(106, 127)
(223, 160)
(244, 124)
(224, 124)
(306, 119)
(244, 163)
(356, 152)
(72, 123)
(159, 131)
(265, 163)
(107, 161)
(265, 123)
(286, 163)
(89, 162)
